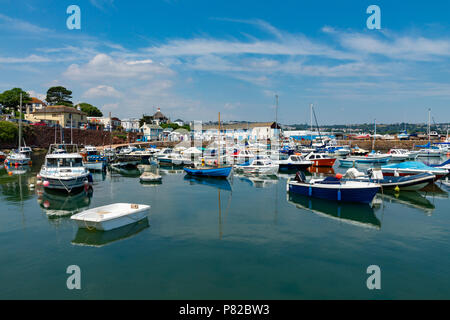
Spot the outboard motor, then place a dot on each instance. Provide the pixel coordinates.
(300, 176)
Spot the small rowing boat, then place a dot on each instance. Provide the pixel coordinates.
(111, 216)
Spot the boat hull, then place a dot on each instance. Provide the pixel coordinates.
(323, 162)
(65, 184)
(209, 172)
(110, 224)
(95, 166)
(293, 166)
(362, 195)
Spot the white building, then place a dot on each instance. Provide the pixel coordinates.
(130, 125)
(252, 131)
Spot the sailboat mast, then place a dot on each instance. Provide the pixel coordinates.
(20, 122)
(374, 134)
(429, 120)
(218, 146)
(310, 127)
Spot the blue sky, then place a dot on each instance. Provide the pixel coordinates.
(195, 58)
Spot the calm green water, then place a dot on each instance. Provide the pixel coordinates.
(255, 243)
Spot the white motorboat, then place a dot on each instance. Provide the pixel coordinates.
(64, 171)
(15, 158)
(429, 153)
(174, 159)
(163, 152)
(127, 150)
(259, 166)
(294, 162)
(403, 154)
(111, 216)
(242, 156)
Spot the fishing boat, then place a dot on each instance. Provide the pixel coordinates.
(261, 166)
(333, 188)
(368, 159)
(17, 159)
(204, 171)
(407, 183)
(294, 162)
(219, 172)
(320, 159)
(111, 216)
(411, 168)
(64, 170)
(92, 159)
(22, 155)
(150, 177)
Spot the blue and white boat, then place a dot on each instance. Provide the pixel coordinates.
(411, 168)
(427, 150)
(217, 172)
(93, 160)
(407, 183)
(444, 165)
(332, 188)
(371, 158)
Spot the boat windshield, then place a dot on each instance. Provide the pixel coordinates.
(64, 162)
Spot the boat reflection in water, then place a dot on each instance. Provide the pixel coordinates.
(95, 238)
(165, 171)
(221, 184)
(434, 191)
(126, 172)
(320, 170)
(258, 181)
(17, 170)
(357, 214)
(58, 205)
(411, 199)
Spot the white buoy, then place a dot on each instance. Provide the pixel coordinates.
(31, 186)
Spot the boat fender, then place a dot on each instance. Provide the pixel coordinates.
(397, 189)
(46, 183)
(339, 195)
(310, 191)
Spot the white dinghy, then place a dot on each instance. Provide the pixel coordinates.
(111, 216)
(150, 177)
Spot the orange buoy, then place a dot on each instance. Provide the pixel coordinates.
(339, 176)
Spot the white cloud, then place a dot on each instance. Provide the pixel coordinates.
(102, 91)
(103, 66)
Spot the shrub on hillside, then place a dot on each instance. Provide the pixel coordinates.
(8, 131)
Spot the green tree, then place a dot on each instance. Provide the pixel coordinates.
(91, 110)
(60, 96)
(145, 119)
(8, 131)
(10, 99)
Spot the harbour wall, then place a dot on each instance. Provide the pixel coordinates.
(42, 137)
(382, 145)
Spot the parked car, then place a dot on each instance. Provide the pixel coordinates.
(40, 123)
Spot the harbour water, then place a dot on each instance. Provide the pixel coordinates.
(244, 238)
